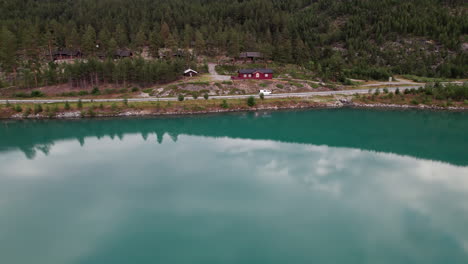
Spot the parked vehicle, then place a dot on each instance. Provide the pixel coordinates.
(265, 92)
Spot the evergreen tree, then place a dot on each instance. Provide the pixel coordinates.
(140, 40)
(111, 47)
(188, 36)
(121, 36)
(155, 43)
(104, 38)
(89, 41)
(165, 31)
(8, 47)
(200, 44)
(73, 39)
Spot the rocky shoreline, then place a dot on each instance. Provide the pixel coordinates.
(397, 106)
(149, 112)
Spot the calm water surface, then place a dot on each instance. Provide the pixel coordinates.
(324, 186)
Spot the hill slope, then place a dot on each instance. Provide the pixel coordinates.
(335, 38)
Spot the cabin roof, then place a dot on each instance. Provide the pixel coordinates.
(250, 54)
(250, 71)
(66, 52)
(123, 53)
(190, 70)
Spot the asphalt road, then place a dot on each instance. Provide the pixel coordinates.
(154, 99)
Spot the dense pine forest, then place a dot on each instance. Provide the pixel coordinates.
(333, 38)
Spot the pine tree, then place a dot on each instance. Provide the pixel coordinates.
(170, 43)
(140, 40)
(104, 38)
(200, 44)
(73, 39)
(188, 36)
(8, 47)
(89, 41)
(111, 47)
(155, 43)
(165, 31)
(234, 45)
(121, 36)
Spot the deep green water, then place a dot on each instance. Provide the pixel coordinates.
(322, 186)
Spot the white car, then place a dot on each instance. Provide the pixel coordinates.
(265, 92)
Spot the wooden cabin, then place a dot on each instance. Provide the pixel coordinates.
(190, 73)
(256, 74)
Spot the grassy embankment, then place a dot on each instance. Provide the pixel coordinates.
(94, 109)
(431, 95)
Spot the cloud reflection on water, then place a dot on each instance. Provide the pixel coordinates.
(201, 174)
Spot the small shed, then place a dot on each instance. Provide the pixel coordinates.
(190, 73)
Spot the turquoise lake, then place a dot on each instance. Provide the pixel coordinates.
(321, 186)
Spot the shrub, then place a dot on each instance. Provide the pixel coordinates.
(135, 89)
(95, 91)
(206, 96)
(385, 90)
(180, 97)
(224, 104)
(195, 95)
(348, 82)
(37, 94)
(125, 101)
(18, 108)
(69, 94)
(27, 112)
(101, 106)
(91, 112)
(50, 114)
(20, 94)
(227, 82)
(251, 101)
(279, 86)
(406, 91)
(414, 102)
(377, 91)
(114, 106)
(79, 104)
(397, 91)
(37, 108)
(82, 93)
(8, 103)
(149, 90)
(67, 105)
(263, 85)
(262, 96)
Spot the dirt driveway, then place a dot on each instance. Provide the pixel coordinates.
(214, 75)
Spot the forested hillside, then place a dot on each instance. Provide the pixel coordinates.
(351, 38)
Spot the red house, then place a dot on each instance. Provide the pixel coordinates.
(256, 74)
